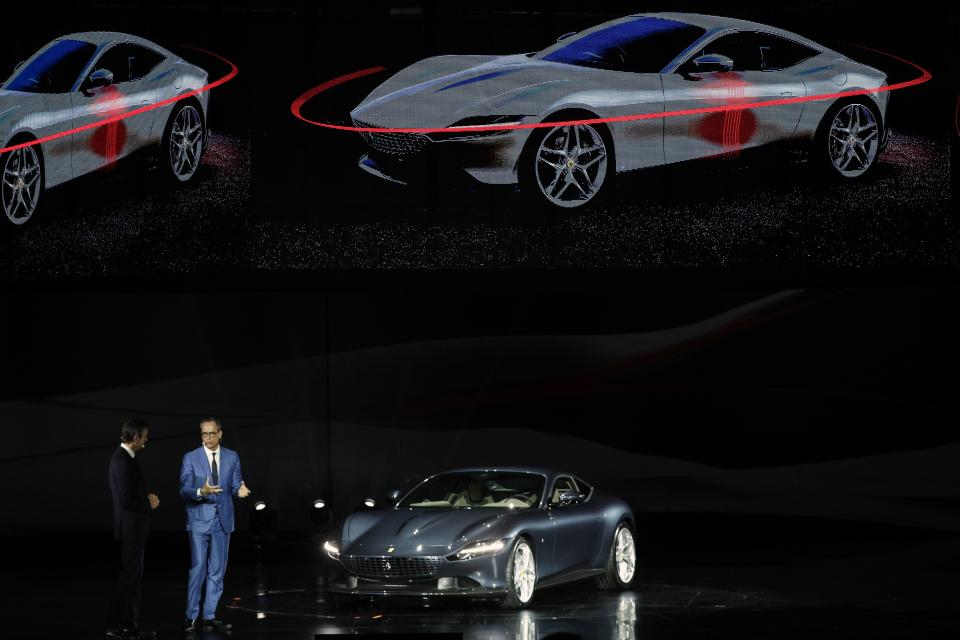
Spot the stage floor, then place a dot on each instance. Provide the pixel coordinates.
(797, 582)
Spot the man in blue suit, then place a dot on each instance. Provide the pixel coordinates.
(210, 478)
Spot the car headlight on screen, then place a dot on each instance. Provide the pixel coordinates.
(476, 121)
(332, 549)
(481, 549)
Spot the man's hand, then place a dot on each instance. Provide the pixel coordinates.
(154, 500)
(243, 492)
(208, 488)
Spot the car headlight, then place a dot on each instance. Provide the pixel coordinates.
(332, 549)
(480, 549)
(476, 121)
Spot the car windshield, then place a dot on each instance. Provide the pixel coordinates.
(466, 490)
(640, 45)
(55, 69)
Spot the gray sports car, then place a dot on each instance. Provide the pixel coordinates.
(486, 533)
(684, 73)
(58, 95)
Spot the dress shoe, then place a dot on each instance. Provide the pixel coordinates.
(216, 625)
(190, 626)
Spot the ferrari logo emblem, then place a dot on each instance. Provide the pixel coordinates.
(387, 566)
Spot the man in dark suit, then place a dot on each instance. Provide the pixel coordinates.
(210, 478)
(132, 507)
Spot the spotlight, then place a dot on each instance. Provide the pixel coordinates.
(263, 522)
(319, 514)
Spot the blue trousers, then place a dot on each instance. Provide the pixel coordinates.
(208, 563)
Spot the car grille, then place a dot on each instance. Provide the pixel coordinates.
(393, 144)
(386, 568)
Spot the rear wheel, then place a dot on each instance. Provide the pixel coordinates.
(848, 139)
(183, 142)
(521, 575)
(621, 564)
(22, 185)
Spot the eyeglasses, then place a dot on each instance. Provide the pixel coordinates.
(208, 434)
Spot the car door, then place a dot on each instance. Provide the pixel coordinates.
(131, 89)
(578, 529)
(754, 78)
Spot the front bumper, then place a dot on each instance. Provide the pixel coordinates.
(477, 577)
(418, 159)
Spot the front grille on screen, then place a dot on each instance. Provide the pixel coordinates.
(394, 144)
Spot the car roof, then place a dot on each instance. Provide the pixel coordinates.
(716, 23)
(549, 473)
(103, 38)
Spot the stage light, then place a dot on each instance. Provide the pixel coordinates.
(260, 505)
(369, 503)
(319, 514)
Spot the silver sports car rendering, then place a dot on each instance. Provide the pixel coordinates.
(660, 66)
(83, 78)
(486, 533)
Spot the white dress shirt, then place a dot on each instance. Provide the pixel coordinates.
(210, 453)
(123, 445)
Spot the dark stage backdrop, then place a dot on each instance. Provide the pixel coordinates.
(834, 404)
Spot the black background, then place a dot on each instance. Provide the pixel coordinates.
(832, 374)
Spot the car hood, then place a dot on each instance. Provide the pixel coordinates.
(419, 531)
(439, 91)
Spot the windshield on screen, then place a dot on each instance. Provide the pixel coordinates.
(477, 489)
(638, 45)
(55, 69)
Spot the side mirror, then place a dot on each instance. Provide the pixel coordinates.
(571, 497)
(567, 35)
(394, 497)
(97, 79)
(712, 62)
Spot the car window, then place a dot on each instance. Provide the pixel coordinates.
(640, 45)
(779, 53)
(742, 47)
(128, 62)
(478, 489)
(563, 483)
(55, 69)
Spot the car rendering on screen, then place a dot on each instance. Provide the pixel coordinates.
(58, 94)
(494, 534)
(682, 74)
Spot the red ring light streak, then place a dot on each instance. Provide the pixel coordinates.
(297, 105)
(128, 114)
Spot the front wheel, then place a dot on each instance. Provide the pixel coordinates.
(621, 564)
(183, 142)
(22, 184)
(521, 576)
(849, 138)
(567, 166)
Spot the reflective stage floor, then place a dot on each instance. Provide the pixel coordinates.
(789, 581)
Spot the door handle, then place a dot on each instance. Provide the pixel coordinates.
(786, 93)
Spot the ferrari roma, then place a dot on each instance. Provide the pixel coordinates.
(488, 534)
(83, 78)
(670, 64)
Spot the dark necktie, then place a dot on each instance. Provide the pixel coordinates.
(216, 473)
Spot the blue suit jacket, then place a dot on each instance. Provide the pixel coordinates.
(202, 511)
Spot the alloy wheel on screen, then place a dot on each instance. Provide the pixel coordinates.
(571, 165)
(186, 143)
(21, 184)
(854, 139)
